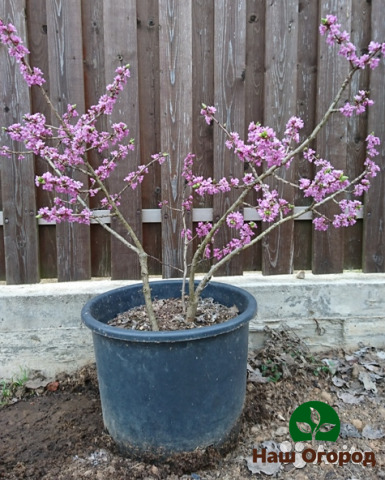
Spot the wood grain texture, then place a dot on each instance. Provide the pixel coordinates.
(120, 16)
(374, 215)
(357, 129)
(328, 247)
(308, 22)
(38, 46)
(203, 88)
(17, 177)
(254, 96)
(175, 35)
(149, 116)
(281, 104)
(229, 95)
(94, 86)
(67, 87)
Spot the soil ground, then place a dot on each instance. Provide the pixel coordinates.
(53, 430)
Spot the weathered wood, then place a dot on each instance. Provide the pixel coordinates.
(328, 247)
(38, 46)
(17, 177)
(94, 85)
(149, 115)
(67, 87)
(357, 129)
(175, 51)
(120, 16)
(229, 95)
(203, 87)
(203, 92)
(281, 104)
(308, 22)
(374, 215)
(254, 96)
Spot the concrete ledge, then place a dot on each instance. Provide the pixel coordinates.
(40, 326)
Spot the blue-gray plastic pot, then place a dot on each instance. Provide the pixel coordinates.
(169, 392)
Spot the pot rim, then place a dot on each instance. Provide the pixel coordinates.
(100, 328)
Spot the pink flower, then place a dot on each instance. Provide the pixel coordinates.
(203, 229)
(208, 113)
(235, 220)
(320, 224)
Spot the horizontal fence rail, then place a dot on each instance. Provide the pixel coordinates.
(255, 60)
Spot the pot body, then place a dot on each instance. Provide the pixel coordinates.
(169, 392)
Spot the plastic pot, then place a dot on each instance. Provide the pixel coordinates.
(169, 392)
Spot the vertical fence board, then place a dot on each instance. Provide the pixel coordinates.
(38, 45)
(254, 95)
(203, 92)
(357, 128)
(94, 86)
(328, 247)
(67, 86)
(203, 86)
(281, 93)
(308, 21)
(374, 215)
(18, 190)
(148, 71)
(176, 128)
(120, 16)
(229, 85)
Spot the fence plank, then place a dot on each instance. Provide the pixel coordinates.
(308, 21)
(281, 99)
(18, 190)
(94, 86)
(176, 128)
(38, 46)
(229, 94)
(67, 86)
(374, 216)
(203, 92)
(149, 113)
(203, 87)
(357, 129)
(328, 247)
(254, 95)
(120, 16)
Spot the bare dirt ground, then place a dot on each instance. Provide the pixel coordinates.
(54, 430)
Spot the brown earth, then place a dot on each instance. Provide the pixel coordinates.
(54, 430)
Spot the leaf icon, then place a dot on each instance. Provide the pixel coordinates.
(326, 427)
(315, 416)
(304, 427)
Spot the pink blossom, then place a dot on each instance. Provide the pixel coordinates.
(350, 209)
(320, 223)
(235, 220)
(208, 113)
(186, 233)
(203, 229)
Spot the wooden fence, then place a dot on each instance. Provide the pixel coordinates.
(253, 59)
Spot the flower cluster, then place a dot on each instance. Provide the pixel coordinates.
(74, 137)
(361, 102)
(9, 37)
(334, 36)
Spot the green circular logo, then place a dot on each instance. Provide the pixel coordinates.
(314, 421)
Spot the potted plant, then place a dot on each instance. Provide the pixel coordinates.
(166, 392)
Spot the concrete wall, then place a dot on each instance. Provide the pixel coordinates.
(40, 326)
